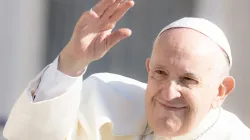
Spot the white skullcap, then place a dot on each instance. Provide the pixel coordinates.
(205, 27)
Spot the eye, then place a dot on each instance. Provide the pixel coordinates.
(160, 72)
(190, 81)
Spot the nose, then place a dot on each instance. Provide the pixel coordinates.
(170, 91)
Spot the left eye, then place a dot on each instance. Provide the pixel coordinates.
(189, 80)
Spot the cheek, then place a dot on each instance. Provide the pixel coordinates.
(152, 88)
(207, 100)
(192, 100)
(199, 101)
(151, 91)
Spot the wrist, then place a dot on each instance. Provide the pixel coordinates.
(71, 66)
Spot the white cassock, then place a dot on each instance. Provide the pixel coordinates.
(103, 107)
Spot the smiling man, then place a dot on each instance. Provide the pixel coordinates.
(185, 84)
(188, 80)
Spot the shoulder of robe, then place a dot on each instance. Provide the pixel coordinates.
(233, 127)
(114, 98)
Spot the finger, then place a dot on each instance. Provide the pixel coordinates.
(123, 8)
(112, 8)
(117, 36)
(101, 6)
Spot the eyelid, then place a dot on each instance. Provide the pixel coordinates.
(166, 73)
(191, 79)
(192, 76)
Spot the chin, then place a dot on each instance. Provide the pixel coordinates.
(168, 128)
(168, 133)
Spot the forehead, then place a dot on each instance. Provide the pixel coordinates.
(186, 50)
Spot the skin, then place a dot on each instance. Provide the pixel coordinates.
(93, 37)
(181, 71)
(184, 81)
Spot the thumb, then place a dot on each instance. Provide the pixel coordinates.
(117, 36)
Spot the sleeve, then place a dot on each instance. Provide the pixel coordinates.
(51, 117)
(54, 83)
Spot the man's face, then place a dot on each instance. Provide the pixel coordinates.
(183, 81)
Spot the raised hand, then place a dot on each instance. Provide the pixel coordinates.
(93, 36)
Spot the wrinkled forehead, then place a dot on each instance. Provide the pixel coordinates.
(185, 39)
(206, 27)
(186, 49)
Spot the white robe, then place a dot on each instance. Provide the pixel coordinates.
(104, 107)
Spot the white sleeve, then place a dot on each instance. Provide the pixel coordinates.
(49, 119)
(54, 83)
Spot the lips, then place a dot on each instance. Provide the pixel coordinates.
(172, 106)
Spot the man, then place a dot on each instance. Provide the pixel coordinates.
(188, 80)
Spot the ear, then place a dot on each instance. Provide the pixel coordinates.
(225, 88)
(147, 64)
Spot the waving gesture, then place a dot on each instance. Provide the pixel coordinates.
(93, 37)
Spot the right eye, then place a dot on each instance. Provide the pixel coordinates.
(159, 74)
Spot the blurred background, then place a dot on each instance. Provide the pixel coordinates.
(33, 32)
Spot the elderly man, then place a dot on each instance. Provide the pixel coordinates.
(188, 80)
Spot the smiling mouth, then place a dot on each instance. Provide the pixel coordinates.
(171, 107)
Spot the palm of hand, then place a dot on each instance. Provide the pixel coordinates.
(92, 36)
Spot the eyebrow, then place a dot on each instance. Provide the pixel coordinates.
(159, 66)
(187, 74)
